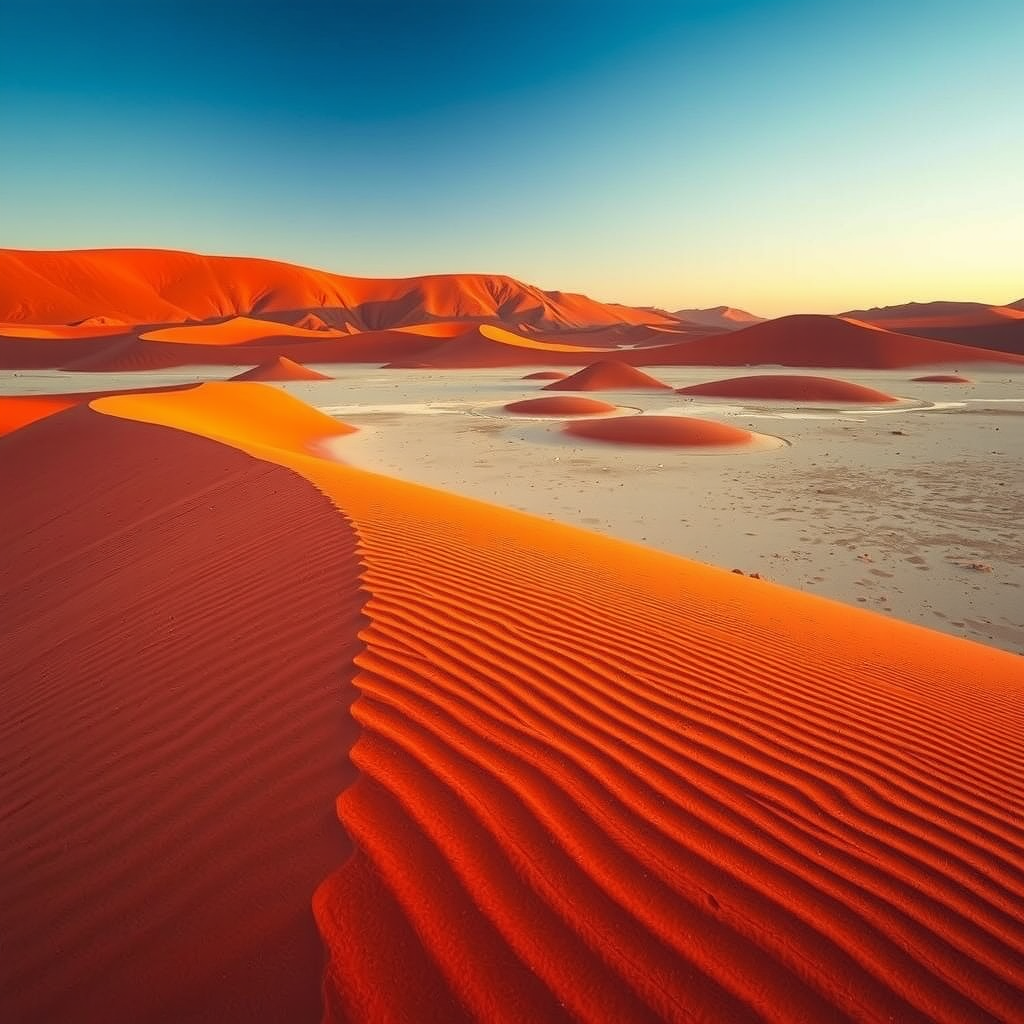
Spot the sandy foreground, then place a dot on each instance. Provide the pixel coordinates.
(286, 740)
(910, 511)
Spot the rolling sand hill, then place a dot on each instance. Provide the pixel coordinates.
(816, 341)
(790, 387)
(149, 286)
(521, 772)
(1000, 328)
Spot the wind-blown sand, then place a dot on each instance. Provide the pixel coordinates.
(587, 780)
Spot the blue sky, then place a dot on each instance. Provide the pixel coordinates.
(780, 156)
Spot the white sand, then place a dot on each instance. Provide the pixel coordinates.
(848, 509)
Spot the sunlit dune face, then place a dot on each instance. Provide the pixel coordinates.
(790, 387)
(669, 432)
(942, 378)
(561, 405)
(608, 376)
(240, 330)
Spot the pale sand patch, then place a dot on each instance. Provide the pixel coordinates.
(922, 504)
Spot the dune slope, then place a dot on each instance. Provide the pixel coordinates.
(179, 626)
(594, 782)
(789, 387)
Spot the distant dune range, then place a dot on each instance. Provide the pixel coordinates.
(512, 771)
(121, 310)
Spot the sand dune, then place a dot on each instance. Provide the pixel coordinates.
(559, 405)
(607, 375)
(281, 368)
(546, 375)
(719, 316)
(147, 286)
(670, 431)
(574, 778)
(789, 387)
(239, 330)
(943, 378)
(816, 341)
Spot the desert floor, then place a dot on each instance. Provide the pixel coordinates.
(909, 511)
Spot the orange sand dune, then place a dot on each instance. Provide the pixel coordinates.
(546, 375)
(239, 330)
(607, 376)
(484, 345)
(719, 316)
(62, 332)
(819, 341)
(559, 405)
(37, 353)
(281, 368)
(943, 378)
(674, 431)
(146, 286)
(576, 779)
(789, 387)
(312, 322)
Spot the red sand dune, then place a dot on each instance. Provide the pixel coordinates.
(239, 330)
(546, 375)
(607, 375)
(145, 286)
(789, 387)
(719, 316)
(999, 328)
(578, 779)
(281, 368)
(559, 405)
(818, 341)
(943, 378)
(673, 431)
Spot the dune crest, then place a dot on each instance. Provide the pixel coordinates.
(281, 368)
(546, 375)
(607, 375)
(790, 387)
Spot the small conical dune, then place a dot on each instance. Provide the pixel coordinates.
(546, 375)
(608, 375)
(281, 368)
(311, 322)
(789, 387)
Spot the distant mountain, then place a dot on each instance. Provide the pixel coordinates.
(153, 286)
(725, 317)
(997, 328)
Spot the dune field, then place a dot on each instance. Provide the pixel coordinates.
(447, 649)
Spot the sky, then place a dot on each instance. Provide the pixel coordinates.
(782, 156)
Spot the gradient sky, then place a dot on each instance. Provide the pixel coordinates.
(780, 156)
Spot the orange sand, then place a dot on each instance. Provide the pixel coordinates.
(281, 368)
(559, 405)
(789, 387)
(607, 376)
(546, 375)
(943, 378)
(672, 431)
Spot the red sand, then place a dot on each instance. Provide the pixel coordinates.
(546, 375)
(281, 368)
(559, 405)
(147, 286)
(943, 378)
(674, 431)
(818, 341)
(595, 782)
(175, 725)
(607, 375)
(790, 387)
